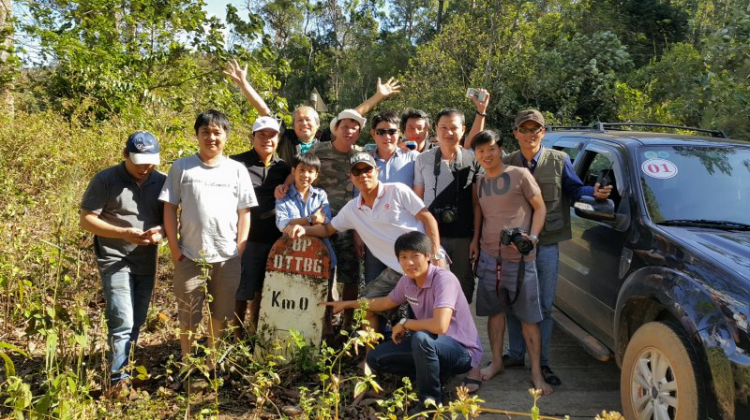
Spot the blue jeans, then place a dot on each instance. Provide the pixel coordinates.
(547, 262)
(431, 358)
(128, 296)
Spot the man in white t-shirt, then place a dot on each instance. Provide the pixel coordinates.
(381, 213)
(214, 194)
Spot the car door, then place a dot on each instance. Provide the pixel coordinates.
(590, 261)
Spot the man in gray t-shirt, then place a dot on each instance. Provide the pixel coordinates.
(121, 208)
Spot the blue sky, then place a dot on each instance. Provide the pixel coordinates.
(218, 8)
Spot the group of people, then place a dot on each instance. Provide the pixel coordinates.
(432, 224)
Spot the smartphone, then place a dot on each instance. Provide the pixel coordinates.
(603, 179)
(475, 93)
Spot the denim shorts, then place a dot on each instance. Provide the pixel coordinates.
(517, 296)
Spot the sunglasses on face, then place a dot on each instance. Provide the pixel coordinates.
(524, 130)
(361, 170)
(384, 131)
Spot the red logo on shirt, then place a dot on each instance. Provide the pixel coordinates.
(387, 206)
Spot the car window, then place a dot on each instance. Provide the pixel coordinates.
(601, 166)
(570, 145)
(572, 152)
(695, 182)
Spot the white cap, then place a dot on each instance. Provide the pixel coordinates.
(350, 114)
(262, 123)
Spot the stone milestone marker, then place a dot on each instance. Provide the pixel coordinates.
(297, 273)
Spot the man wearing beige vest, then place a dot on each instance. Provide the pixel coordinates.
(554, 173)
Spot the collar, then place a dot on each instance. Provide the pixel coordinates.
(534, 160)
(381, 192)
(122, 171)
(397, 153)
(255, 158)
(431, 271)
(294, 193)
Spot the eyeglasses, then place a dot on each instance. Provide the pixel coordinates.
(524, 130)
(384, 131)
(361, 170)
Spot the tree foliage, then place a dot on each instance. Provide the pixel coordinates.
(676, 61)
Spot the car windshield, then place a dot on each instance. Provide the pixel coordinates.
(696, 184)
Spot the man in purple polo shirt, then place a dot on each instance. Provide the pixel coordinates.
(441, 341)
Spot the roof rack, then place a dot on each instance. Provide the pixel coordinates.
(604, 126)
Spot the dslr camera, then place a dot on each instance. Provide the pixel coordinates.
(514, 236)
(447, 214)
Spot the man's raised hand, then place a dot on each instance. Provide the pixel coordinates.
(481, 105)
(389, 88)
(235, 72)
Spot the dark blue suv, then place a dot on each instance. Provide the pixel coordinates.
(659, 276)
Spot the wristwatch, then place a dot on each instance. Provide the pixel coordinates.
(403, 322)
(309, 220)
(534, 238)
(437, 257)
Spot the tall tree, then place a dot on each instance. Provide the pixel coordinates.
(7, 70)
(114, 54)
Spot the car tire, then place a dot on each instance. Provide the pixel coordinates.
(661, 378)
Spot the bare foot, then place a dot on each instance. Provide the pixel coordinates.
(491, 370)
(540, 383)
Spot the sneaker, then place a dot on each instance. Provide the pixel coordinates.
(512, 362)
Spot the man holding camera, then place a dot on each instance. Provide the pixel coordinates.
(553, 171)
(509, 210)
(443, 177)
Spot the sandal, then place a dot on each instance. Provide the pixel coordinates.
(550, 376)
(469, 381)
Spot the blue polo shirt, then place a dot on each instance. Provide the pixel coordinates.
(399, 168)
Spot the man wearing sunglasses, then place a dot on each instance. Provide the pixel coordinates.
(394, 165)
(554, 173)
(381, 213)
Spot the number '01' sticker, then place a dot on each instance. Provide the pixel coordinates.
(659, 168)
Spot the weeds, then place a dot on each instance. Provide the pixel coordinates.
(52, 330)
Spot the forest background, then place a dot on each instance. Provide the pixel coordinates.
(76, 77)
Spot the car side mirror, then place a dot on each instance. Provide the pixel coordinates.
(590, 208)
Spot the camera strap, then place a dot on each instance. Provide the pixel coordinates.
(462, 160)
(498, 273)
(519, 278)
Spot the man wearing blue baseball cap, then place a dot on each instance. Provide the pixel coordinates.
(121, 208)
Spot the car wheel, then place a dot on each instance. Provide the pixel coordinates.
(661, 378)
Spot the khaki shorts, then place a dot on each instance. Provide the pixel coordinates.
(190, 290)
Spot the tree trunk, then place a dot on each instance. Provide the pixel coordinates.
(6, 47)
(441, 5)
